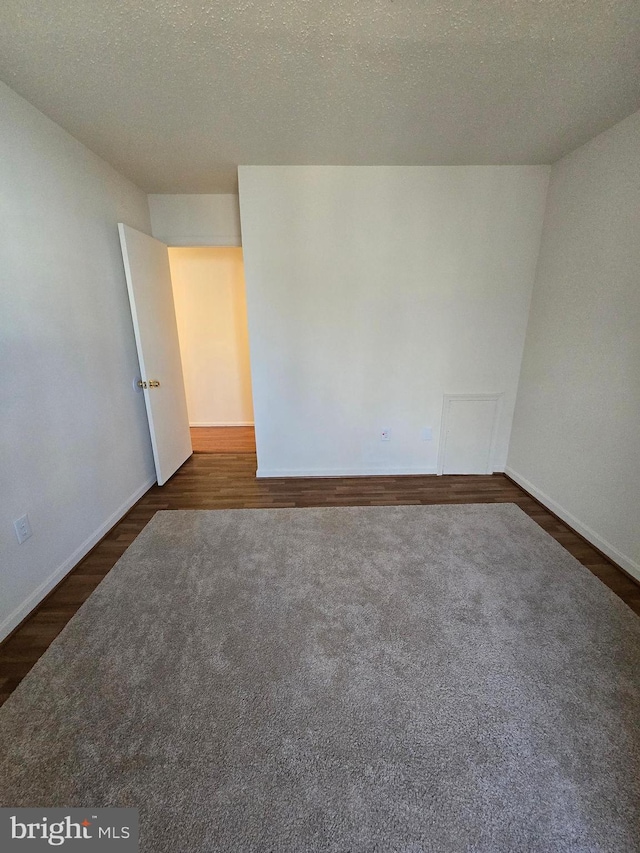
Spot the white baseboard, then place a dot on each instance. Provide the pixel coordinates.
(32, 601)
(584, 530)
(221, 423)
(341, 472)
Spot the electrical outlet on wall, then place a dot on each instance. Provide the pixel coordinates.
(22, 528)
(385, 435)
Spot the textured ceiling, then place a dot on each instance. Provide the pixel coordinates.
(176, 94)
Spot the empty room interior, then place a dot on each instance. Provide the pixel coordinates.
(320, 505)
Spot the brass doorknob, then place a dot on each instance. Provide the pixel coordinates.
(153, 383)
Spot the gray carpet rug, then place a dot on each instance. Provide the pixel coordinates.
(376, 679)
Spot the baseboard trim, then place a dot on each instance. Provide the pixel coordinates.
(14, 619)
(270, 473)
(610, 551)
(222, 424)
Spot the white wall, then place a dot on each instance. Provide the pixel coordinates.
(373, 291)
(576, 433)
(211, 311)
(75, 450)
(195, 220)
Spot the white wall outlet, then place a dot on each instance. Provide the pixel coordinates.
(385, 435)
(427, 434)
(22, 528)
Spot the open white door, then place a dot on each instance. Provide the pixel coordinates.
(146, 264)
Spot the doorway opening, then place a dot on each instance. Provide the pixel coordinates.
(211, 314)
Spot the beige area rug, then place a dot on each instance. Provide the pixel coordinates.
(375, 679)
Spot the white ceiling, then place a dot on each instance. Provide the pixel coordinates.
(176, 94)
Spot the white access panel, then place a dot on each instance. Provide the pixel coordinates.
(469, 425)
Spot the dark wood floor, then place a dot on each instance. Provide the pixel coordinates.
(226, 480)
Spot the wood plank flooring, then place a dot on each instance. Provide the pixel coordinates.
(223, 439)
(225, 479)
